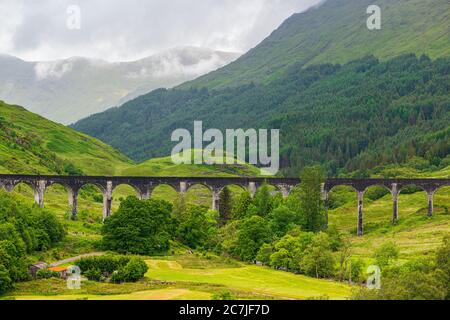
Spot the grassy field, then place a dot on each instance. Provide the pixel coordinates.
(251, 278)
(190, 277)
(161, 294)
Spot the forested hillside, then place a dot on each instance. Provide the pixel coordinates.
(336, 32)
(347, 117)
(343, 96)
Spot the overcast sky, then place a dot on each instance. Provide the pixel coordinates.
(123, 30)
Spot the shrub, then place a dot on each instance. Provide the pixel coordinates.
(411, 189)
(135, 270)
(119, 268)
(47, 274)
(88, 216)
(71, 170)
(376, 193)
(418, 163)
(356, 270)
(5, 280)
(118, 276)
(93, 274)
(97, 198)
(335, 237)
(386, 253)
(264, 254)
(223, 295)
(106, 264)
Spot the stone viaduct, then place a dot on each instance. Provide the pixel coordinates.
(145, 185)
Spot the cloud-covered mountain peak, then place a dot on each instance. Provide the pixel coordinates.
(69, 89)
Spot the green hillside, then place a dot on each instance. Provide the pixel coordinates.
(336, 32)
(31, 144)
(164, 167)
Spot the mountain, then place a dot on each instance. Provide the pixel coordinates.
(355, 116)
(336, 32)
(346, 116)
(71, 89)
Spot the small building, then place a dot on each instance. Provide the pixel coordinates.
(61, 270)
(34, 268)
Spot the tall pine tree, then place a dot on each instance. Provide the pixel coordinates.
(311, 204)
(225, 205)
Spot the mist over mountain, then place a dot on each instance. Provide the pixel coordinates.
(340, 93)
(70, 89)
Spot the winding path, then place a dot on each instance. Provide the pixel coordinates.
(61, 262)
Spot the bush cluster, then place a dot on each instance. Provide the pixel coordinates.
(116, 268)
(46, 274)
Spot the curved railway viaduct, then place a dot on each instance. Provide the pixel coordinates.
(145, 185)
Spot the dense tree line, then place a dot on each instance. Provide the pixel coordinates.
(23, 230)
(350, 117)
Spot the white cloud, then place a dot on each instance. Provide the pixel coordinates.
(127, 30)
(53, 69)
(187, 62)
(170, 67)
